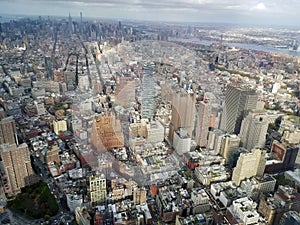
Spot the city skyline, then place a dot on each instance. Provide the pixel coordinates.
(278, 12)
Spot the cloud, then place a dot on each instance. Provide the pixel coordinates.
(249, 11)
(260, 7)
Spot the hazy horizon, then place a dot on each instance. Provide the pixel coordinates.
(249, 12)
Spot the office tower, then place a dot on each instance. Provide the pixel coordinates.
(249, 165)
(80, 17)
(203, 123)
(229, 144)
(69, 80)
(215, 115)
(183, 113)
(8, 131)
(238, 100)
(107, 133)
(70, 25)
(254, 129)
(49, 68)
(97, 188)
(148, 92)
(17, 166)
(214, 141)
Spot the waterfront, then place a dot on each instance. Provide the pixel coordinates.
(238, 45)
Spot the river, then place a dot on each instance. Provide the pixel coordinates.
(239, 45)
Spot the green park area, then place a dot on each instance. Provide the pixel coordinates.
(35, 201)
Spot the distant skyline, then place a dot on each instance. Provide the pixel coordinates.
(268, 12)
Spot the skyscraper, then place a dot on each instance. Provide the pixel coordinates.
(148, 92)
(229, 144)
(238, 100)
(8, 131)
(203, 123)
(70, 24)
(249, 165)
(17, 166)
(183, 113)
(254, 129)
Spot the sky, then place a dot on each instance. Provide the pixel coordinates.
(266, 12)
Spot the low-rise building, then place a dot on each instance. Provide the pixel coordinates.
(284, 200)
(201, 202)
(213, 173)
(198, 219)
(244, 211)
(258, 185)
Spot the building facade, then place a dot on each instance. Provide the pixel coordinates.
(183, 113)
(97, 188)
(8, 131)
(17, 166)
(249, 165)
(238, 100)
(203, 120)
(254, 129)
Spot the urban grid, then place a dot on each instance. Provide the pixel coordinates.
(136, 123)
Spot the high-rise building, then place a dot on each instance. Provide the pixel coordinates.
(238, 100)
(203, 123)
(249, 165)
(214, 141)
(70, 24)
(17, 166)
(254, 129)
(97, 188)
(8, 131)
(229, 144)
(148, 92)
(183, 113)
